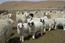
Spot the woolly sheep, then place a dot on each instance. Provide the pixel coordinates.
(35, 26)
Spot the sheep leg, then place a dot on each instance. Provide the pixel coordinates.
(55, 28)
(41, 31)
(44, 30)
(22, 38)
(33, 36)
(49, 29)
(18, 31)
(64, 28)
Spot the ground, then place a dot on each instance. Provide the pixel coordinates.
(54, 36)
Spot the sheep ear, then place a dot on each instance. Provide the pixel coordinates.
(40, 20)
(43, 21)
(36, 12)
(32, 23)
(28, 23)
(22, 25)
(22, 12)
(31, 14)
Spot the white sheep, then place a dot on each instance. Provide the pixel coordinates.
(51, 24)
(39, 20)
(36, 26)
(22, 17)
(9, 15)
(32, 18)
(5, 30)
(47, 23)
(24, 30)
(60, 21)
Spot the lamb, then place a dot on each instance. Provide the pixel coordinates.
(23, 30)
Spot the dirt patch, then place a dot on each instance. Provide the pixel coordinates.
(54, 36)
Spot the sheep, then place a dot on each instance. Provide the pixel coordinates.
(51, 24)
(38, 19)
(29, 19)
(47, 23)
(22, 17)
(32, 18)
(5, 30)
(36, 26)
(19, 26)
(60, 21)
(23, 30)
(9, 15)
(31, 15)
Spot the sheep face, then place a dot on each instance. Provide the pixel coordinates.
(20, 25)
(26, 14)
(31, 23)
(42, 20)
(31, 14)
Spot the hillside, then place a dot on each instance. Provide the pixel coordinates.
(28, 5)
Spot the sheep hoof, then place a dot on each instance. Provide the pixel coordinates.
(49, 29)
(44, 30)
(63, 29)
(33, 37)
(22, 40)
(41, 34)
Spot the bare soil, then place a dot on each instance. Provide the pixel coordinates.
(54, 36)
